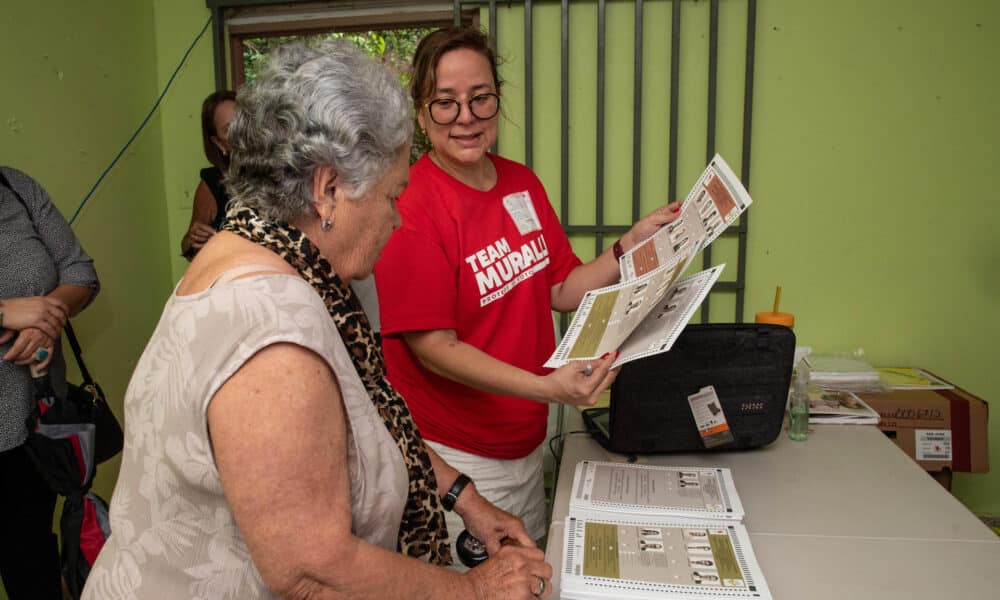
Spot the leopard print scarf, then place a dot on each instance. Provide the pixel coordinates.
(422, 533)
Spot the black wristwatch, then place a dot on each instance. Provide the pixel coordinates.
(449, 499)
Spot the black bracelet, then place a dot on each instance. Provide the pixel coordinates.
(449, 499)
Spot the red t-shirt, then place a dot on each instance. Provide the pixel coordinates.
(460, 261)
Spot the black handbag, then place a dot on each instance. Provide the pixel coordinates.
(87, 402)
(748, 365)
(93, 406)
(67, 437)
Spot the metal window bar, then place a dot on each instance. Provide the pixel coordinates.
(744, 225)
(219, 46)
(599, 166)
(713, 62)
(637, 114)
(675, 77)
(528, 76)
(564, 129)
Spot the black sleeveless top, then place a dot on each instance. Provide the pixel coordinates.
(212, 177)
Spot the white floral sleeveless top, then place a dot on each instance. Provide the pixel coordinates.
(172, 532)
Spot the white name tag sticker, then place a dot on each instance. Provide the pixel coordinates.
(522, 211)
(708, 415)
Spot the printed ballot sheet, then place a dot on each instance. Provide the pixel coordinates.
(692, 492)
(638, 318)
(713, 204)
(658, 559)
(658, 533)
(663, 325)
(645, 312)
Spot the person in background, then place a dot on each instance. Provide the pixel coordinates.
(45, 278)
(210, 199)
(266, 455)
(467, 285)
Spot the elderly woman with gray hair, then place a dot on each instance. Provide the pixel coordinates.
(266, 455)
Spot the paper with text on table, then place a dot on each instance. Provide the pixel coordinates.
(648, 532)
(638, 489)
(657, 558)
(836, 407)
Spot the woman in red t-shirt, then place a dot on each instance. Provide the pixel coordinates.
(467, 285)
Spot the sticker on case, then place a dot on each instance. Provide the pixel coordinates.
(708, 415)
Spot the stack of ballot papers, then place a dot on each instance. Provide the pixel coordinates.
(840, 372)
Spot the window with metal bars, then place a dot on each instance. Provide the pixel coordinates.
(615, 104)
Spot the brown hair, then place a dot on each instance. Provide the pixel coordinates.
(208, 107)
(433, 47)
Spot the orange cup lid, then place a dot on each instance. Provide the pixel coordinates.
(776, 318)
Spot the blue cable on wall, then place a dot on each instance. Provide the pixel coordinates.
(144, 121)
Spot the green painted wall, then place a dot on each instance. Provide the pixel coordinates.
(874, 156)
(72, 98)
(177, 25)
(873, 148)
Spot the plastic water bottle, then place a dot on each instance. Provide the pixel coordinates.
(798, 420)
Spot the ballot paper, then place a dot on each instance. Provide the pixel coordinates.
(658, 533)
(646, 311)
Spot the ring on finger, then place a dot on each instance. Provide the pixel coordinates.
(541, 588)
(41, 354)
(588, 370)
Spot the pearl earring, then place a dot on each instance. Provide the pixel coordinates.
(326, 225)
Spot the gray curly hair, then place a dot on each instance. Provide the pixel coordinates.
(330, 105)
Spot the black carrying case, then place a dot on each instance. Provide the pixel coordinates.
(749, 365)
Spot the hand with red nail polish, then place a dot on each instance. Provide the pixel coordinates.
(648, 225)
(580, 382)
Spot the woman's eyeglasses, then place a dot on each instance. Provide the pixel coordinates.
(445, 111)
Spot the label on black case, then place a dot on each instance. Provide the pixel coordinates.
(711, 420)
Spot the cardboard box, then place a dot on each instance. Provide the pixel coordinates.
(943, 430)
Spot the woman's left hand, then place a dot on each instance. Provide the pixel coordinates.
(490, 524)
(24, 350)
(44, 312)
(650, 224)
(581, 385)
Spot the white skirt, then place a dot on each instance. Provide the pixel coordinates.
(516, 486)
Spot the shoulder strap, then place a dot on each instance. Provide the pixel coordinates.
(74, 344)
(241, 270)
(78, 353)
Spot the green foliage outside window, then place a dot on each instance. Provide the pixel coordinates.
(391, 47)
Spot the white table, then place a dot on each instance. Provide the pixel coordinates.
(843, 515)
